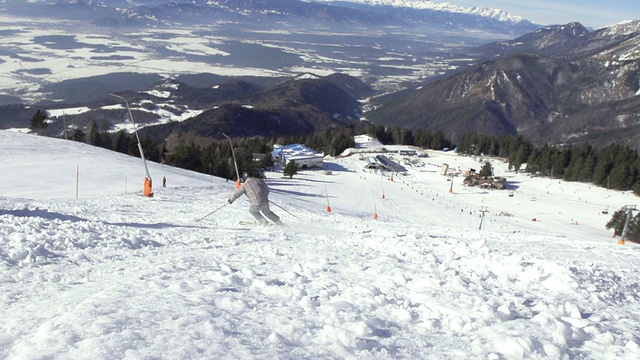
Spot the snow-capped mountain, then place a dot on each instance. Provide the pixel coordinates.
(492, 13)
(154, 12)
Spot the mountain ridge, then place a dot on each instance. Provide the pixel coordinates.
(155, 12)
(559, 85)
(295, 107)
(493, 13)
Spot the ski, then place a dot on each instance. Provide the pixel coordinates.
(260, 225)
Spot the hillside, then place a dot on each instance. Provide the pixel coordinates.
(538, 276)
(294, 107)
(559, 85)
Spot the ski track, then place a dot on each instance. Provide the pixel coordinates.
(416, 289)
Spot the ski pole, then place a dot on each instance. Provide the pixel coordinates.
(285, 210)
(211, 213)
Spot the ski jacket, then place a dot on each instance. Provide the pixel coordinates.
(256, 190)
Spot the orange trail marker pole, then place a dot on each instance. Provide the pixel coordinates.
(375, 208)
(326, 194)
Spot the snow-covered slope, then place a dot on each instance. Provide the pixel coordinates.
(112, 274)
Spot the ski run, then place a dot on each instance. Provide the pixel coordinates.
(412, 266)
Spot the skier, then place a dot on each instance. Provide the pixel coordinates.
(258, 193)
(164, 181)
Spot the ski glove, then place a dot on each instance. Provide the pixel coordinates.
(230, 201)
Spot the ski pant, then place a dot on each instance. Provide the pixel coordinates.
(262, 211)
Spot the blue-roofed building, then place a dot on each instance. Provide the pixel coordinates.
(304, 157)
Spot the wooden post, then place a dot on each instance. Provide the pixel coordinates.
(77, 179)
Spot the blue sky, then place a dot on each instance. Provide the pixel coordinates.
(591, 13)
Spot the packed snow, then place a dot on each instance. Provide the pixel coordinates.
(368, 266)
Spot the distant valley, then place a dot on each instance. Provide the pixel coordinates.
(213, 62)
(46, 43)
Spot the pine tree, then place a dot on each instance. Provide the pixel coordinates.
(521, 155)
(94, 135)
(533, 165)
(291, 169)
(487, 170)
(439, 141)
(121, 141)
(104, 137)
(422, 138)
(604, 165)
(39, 120)
(617, 222)
(267, 161)
(586, 174)
(151, 151)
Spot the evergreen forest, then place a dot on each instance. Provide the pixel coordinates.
(614, 167)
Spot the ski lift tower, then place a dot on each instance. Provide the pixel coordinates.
(148, 184)
(625, 230)
(483, 210)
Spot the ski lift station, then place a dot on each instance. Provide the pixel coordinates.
(303, 156)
